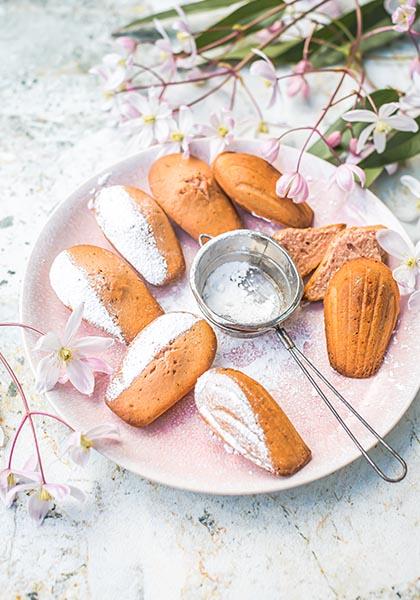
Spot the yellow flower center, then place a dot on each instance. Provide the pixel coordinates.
(410, 262)
(85, 442)
(11, 480)
(177, 136)
(267, 83)
(262, 127)
(382, 127)
(222, 131)
(65, 354)
(149, 119)
(107, 94)
(163, 55)
(182, 36)
(238, 27)
(418, 205)
(44, 495)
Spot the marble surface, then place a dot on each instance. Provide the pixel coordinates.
(349, 536)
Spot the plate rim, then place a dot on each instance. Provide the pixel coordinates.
(268, 489)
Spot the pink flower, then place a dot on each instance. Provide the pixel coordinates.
(392, 5)
(264, 68)
(293, 186)
(220, 130)
(78, 444)
(298, 84)
(71, 359)
(345, 175)
(408, 254)
(9, 478)
(186, 40)
(181, 133)
(43, 496)
(403, 18)
(334, 139)
(167, 55)
(270, 150)
(127, 44)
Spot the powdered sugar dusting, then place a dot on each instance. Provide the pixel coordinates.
(146, 345)
(225, 407)
(129, 231)
(71, 284)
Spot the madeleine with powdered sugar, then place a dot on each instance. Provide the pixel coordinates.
(140, 231)
(246, 417)
(115, 299)
(161, 366)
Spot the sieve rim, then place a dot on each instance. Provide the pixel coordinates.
(230, 326)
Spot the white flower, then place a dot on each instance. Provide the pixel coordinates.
(151, 116)
(78, 444)
(265, 69)
(270, 150)
(186, 40)
(221, 130)
(392, 5)
(166, 51)
(409, 255)
(9, 478)
(43, 496)
(403, 18)
(408, 209)
(382, 123)
(345, 174)
(71, 359)
(182, 132)
(293, 186)
(115, 73)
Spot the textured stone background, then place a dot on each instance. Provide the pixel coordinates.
(349, 536)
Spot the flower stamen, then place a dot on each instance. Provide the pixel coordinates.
(65, 354)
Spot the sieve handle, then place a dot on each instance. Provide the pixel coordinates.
(311, 372)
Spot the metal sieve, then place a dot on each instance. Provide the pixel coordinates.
(267, 263)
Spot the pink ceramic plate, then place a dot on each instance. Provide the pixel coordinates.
(178, 449)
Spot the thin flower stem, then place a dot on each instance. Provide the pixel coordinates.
(27, 411)
(377, 31)
(15, 438)
(252, 99)
(181, 82)
(23, 326)
(50, 415)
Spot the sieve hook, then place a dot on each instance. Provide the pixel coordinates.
(306, 366)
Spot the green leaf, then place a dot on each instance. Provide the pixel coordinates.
(241, 16)
(193, 7)
(372, 175)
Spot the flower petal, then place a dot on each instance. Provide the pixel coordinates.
(412, 184)
(92, 344)
(73, 324)
(360, 116)
(386, 110)
(405, 276)
(402, 123)
(394, 244)
(38, 508)
(98, 365)
(414, 301)
(104, 432)
(57, 490)
(363, 138)
(81, 376)
(80, 456)
(47, 373)
(50, 342)
(379, 141)
(77, 493)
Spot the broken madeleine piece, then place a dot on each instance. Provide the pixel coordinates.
(307, 246)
